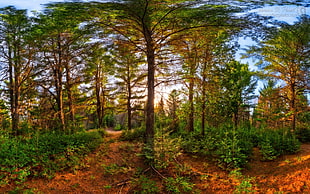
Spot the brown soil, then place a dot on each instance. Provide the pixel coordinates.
(112, 167)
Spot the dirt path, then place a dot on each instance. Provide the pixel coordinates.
(112, 132)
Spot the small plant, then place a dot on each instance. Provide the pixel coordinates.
(133, 135)
(244, 187)
(114, 169)
(107, 186)
(178, 185)
(275, 143)
(232, 151)
(166, 148)
(299, 159)
(268, 152)
(118, 127)
(244, 184)
(144, 185)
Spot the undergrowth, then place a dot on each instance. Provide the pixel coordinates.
(43, 154)
(231, 148)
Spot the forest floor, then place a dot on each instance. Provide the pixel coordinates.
(115, 167)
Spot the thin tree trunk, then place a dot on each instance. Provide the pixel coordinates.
(129, 112)
(293, 107)
(98, 105)
(190, 126)
(129, 102)
(203, 106)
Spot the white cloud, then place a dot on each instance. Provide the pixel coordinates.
(288, 13)
(29, 5)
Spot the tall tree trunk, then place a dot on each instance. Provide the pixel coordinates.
(236, 118)
(150, 91)
(69, 91)
(16, 104)
(11, 91)
(59, 85)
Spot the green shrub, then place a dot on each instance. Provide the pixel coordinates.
(178, 185)
(274, 143)
(44, 154)
(233, 151)
(143, 185)
(231, 147)
(268, 151)
(166, 148)
(134, 134)
(303, 135)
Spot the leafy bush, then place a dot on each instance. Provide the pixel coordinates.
(144, 185)
(134, 134)
(229, 146)
(275, 143)
(44, 154)
(178, 185)
(303, 134)
(232, 147)
(232, 152)
(166, 148)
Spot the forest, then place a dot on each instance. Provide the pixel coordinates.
(162, 81)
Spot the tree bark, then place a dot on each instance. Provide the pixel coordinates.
(129, 103)
(150, 90)
(59, 85)
(190, 124)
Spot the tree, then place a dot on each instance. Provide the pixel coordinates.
(62, 46)
(238, 86)
(285, 56)
(97, 74)
(173, 104)
(130, 79)
(17, 53)
(149, 26)
(271, 106)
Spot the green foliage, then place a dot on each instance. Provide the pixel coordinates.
(166, 148)
(232, 151)
(134, 134)
(231, 147)
(144, 185)
(178, 185)
(303, 134)
(42, 155)
(244, 183)
(274, 143)
(112, 169)
(118, 127)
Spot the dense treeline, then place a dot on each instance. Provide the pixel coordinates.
(156, 67)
